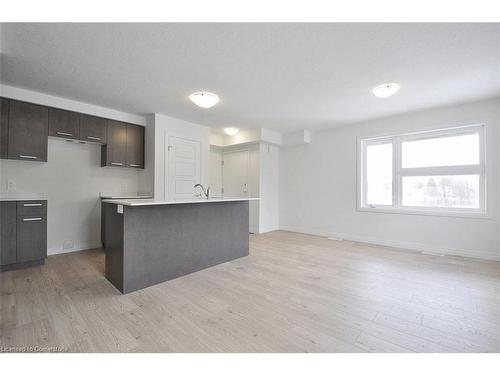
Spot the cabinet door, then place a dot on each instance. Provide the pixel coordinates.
(31, 238)
(28, 131)
(116, 147)
(4, 127)
(92, 129)
(7, 233)
(64, 124)
(135, 146)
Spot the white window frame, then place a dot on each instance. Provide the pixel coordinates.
(399, 172)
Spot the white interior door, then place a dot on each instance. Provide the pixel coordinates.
(235, 173)
(184, 167)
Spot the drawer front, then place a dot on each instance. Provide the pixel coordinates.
(32, 208)
(31, 238)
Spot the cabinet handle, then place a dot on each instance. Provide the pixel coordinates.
(66, 134)
(94, 138)
(32, 205)
(116, 163)
(28, 157)
(135, 165)
(33, 219)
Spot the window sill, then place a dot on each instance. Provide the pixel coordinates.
(402, 211)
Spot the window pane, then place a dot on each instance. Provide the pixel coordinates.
(441, 191)
(443, 151)
(379, 174)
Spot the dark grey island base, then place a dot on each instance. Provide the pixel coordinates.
(150, 244)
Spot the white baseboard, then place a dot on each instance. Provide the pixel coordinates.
(77, 247)
(437, 250)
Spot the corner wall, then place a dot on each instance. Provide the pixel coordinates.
(72, 178)
(318, 187)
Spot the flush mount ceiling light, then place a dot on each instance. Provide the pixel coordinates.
(231, 131)
(204, 99)
(385, 90)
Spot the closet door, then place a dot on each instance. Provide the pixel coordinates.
(235, 173)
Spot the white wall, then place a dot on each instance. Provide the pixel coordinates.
(215, 171)
(146, 175)
(165, 127)
(318, 187)
(72, 178)
(254, 186)
(269, 188)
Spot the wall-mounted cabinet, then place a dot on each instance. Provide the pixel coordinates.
(28, 127)
(64, 124)
(114, 153)
(25, 128)
(135, 146)
(125, 145)
(4, 127)
(92, 128)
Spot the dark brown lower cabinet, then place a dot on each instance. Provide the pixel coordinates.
(31, 238)
(23, 229)
(8, 233)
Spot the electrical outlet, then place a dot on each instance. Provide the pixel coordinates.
(11, 185)
(68, 244)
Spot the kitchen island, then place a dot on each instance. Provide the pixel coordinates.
(150, 241)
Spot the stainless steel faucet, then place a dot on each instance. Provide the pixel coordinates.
(205, 192)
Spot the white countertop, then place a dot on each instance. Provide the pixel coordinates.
(22, 198)
(108, 195)
(153, 202)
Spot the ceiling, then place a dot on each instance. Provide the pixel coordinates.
(286, 76)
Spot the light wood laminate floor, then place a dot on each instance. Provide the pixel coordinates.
(294, 293)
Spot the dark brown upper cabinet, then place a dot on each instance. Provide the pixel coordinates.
(92, 129)
(25, 128)
(135, 146)
(114, 153)
(4, 127)
(64, 124)
(28, 131)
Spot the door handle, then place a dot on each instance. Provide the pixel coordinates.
(66, 134)
(134, 165)
(28, 157)
(32, 219)
(94, 138)
(116, 163)
(32, 204)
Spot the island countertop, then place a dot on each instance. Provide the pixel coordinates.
(156, 202)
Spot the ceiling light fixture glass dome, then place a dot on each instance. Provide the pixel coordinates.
(204, 99)
(385, 90)
(231, 131)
